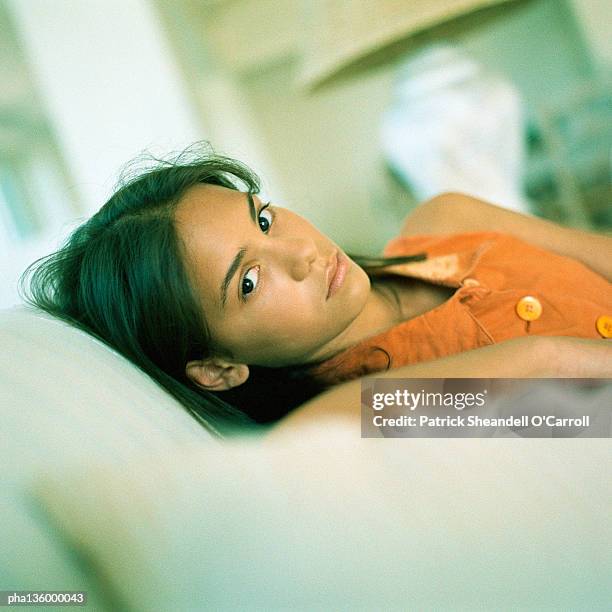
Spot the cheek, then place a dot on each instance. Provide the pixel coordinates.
(292, 311)
(286, 298)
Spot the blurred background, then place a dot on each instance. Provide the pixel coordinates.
(351, 111)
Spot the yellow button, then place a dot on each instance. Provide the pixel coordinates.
(470, 282)
(604, 326)
(529, 308)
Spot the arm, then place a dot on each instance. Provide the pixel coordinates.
(532, 357)
(455, 213)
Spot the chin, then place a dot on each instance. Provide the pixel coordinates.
(356, 290)
(358, 277)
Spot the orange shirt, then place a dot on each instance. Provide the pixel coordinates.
(505, 288)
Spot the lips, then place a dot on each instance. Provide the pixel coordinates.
(336, 273)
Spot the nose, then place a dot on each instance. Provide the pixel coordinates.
(297, 256)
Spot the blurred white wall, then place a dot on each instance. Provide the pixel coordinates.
(109, 88)
(109, 82)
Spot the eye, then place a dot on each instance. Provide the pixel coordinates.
(264, 218)
(249, 281)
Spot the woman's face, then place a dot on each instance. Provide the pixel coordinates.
(263, 277)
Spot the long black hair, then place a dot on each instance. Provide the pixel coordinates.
(120, 276)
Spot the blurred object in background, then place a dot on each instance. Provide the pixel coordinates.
(345, 37)
(455, 126)
(569, 175)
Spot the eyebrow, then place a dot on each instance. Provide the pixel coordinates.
(231, 271)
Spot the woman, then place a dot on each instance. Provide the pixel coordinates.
(243, 310)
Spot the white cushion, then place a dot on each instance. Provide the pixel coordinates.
(66, 399)
(328, 521)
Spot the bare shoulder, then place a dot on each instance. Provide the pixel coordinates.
(450, 213)
(453, 212)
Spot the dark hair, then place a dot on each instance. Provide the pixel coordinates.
(120, 277)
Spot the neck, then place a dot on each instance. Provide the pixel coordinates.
(381, 312)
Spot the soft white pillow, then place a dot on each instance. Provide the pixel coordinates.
(66, 399)
(327, 521)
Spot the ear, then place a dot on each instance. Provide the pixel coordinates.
(216, 374)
